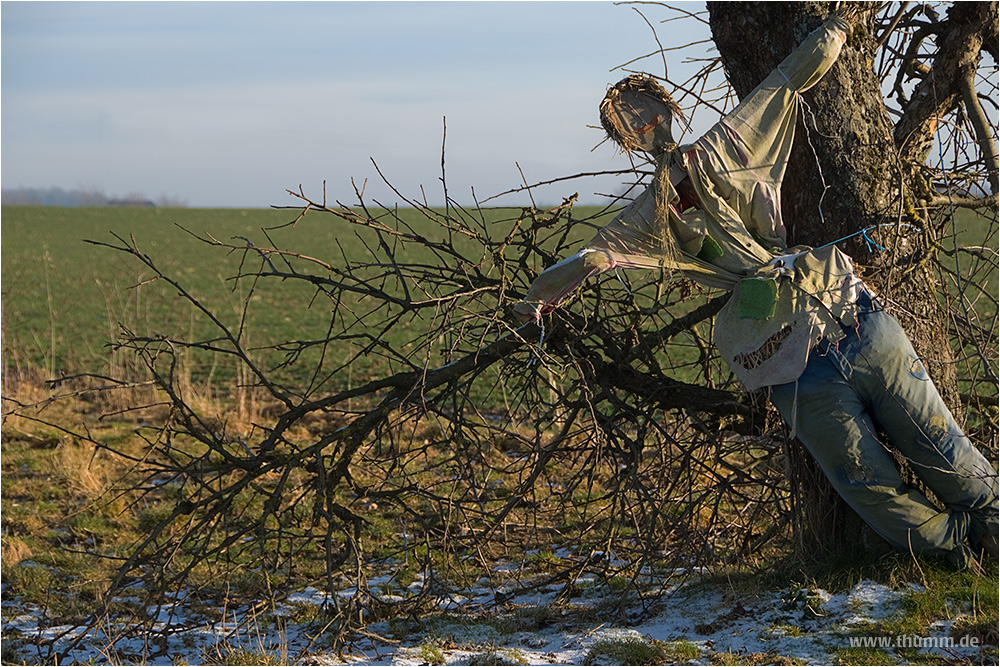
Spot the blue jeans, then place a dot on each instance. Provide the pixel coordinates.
(874, 377)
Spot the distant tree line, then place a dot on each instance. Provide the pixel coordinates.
(59, 197)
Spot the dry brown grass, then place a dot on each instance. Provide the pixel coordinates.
(15, 550)
(86, 471)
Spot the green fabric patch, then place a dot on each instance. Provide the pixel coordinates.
(758, 297)
(710, 249)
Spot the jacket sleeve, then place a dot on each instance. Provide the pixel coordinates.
(745, 154)
(765, 119)
(559, 281)
(627, 242)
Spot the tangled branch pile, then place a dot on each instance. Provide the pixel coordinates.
(489, 438)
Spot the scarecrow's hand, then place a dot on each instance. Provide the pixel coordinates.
(854, 12)
(528, 312)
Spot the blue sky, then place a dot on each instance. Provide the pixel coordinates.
(228, 104)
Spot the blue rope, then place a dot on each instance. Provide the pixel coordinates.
(872, 245)
(869, 242)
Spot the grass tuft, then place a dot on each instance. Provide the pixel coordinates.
(15, 550)
(748, 658)
(244, 656)
(856, 655)
(497, 657)
(635, 651)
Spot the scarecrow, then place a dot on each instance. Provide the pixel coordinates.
(800, 324)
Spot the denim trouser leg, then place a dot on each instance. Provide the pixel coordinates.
(874, 376)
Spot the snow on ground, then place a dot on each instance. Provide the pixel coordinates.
(483, 625)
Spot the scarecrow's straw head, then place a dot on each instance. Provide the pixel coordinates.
(637, 112)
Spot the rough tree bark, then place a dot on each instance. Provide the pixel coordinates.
(853, 167)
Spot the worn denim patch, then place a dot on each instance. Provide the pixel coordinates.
(916, 368)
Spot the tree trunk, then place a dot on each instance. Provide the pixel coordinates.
(844, 176)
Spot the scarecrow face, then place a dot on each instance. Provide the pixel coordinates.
(637, 113)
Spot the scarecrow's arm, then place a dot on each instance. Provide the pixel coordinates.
(763, 124)
(744, 156)
(560, 280)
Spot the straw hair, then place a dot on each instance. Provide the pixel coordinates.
(635, 84)
(663, 191)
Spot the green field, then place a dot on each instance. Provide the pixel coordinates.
(64, 299)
